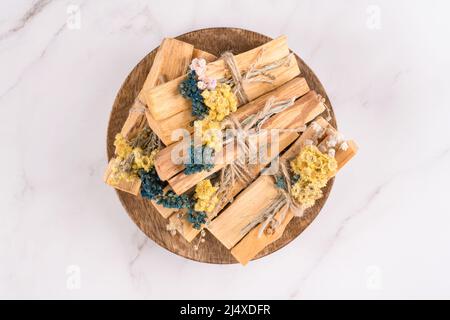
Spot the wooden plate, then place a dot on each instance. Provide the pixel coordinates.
(215, 41)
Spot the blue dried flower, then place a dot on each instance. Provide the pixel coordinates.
(196, 218)
(280, 182)
(171, 200)
(201, 158)
(151, 186)
(189, 90)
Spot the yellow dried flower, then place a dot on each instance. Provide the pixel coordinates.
(221, 101)
(314, 169)
(210, 133)
(205, 193)
(123, 149)
(142, 161)
(307, 191)
(121, 170)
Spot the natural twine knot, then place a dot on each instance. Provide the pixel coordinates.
(253, 74)
(138, 106)
(241, 132)
(283, 203)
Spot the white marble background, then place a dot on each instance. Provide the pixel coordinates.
(385, 231)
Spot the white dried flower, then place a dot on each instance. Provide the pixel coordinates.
(331, 143)
(199, 66)
(344, 146)
(202, 85)
(321, 134)
(331, 152)
(340, 137)
(171, 227)
(316, 127)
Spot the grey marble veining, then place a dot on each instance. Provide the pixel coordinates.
(383, 233)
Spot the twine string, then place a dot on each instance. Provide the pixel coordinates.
(282, 204)
(253, 74)
(239, 169)
(138, 106)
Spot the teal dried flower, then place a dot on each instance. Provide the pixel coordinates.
(151, 186)
(280, 182)
(196, 218)
(172, 200)
(201, 158)
(190, 90)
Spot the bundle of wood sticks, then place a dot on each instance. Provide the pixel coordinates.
(238, 145)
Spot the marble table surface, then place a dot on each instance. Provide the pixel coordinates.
(385, 230)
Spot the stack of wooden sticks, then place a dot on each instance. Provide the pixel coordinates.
(161, 107)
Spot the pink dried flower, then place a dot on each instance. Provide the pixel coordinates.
(199, 66)
(212, 83)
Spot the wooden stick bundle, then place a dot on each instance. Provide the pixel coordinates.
(229, 225)
(185, 228)
(303, 111)
(296, 87)
(171, 60)
(173, 111)
(252, 243)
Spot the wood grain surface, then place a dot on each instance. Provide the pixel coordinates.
(141, 211)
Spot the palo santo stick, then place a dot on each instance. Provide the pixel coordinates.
(167, 212)
(252, 243)
(303, 111)
(171, 61)
(182, 120)
(227, 227)
(203, 55)
(157, 126)
(133, 186)
(185, 228)
(164, 101)
(166, 169)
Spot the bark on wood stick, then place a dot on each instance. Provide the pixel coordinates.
(303, 111)
(164, 165)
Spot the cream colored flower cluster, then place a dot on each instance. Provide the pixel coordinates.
(314, 169)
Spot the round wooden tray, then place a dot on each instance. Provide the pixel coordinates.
(215, 41)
